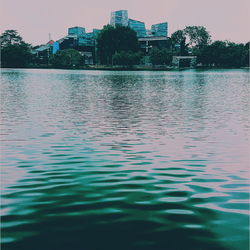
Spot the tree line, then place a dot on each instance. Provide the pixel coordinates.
(14, 51)
(119, 46)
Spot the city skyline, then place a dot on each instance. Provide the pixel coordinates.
(224, 21)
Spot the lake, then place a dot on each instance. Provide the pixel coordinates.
(125, 160)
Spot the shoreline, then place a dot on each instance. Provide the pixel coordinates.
(125, 68)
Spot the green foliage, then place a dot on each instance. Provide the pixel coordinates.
(113, 40)
(179, 43)
(68, 58)
(177, 36)
(127, 58)
(223, 53)
(16, 55)
(160, 57)
(10, 37)
(195, 37)
(246, 54)
(14, 51)
(197, 40)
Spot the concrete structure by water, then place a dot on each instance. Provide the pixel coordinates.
(184, 61)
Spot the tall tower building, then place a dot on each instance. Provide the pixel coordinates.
(119, 17)
(76, 31)
(160, 29)
(138, 27)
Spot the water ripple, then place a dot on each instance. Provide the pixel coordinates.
(125, 160)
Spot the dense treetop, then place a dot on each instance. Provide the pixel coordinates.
(68, 58)
(224, 53)
(112, 40)
(190, 37)
(10, 37)
(14, 51)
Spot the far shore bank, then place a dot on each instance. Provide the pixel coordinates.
(126, 68)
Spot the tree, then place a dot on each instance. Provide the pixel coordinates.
(127, 58)
(179, 45)
(177, 37)
(16, 56)
(10, 37)
(68, 58)
(197, 36)
(246, 56)
(193, 37)
(160, 56)
(113, 40)
(224, 53)
(14, 51)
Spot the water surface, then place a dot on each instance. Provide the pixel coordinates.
(96, 160)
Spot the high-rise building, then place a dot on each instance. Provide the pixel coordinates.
(148, 32)
(96, 32)
(119, 17)
(138, 27)
(160, 29)
(76, 31)
(86, 40)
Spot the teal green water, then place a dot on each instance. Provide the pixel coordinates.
(108, 160)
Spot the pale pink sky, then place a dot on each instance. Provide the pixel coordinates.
(34, 20)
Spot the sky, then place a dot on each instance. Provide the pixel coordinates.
(34, 20)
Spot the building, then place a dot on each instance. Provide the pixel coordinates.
(147, 43)
(85, 43)
(43, 52)
(86, 40)
(96, 33)
(77, 38)
(119, 17)
(76, 31)
(148, 32)
(138, 27)
(68, 42)
(55, 47)
(160, 29)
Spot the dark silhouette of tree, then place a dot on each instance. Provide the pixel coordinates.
(224, 54)
(197, 36)
(127, 58)
(10, 37)
(14, 51)
(192, 37)
(68, 58)
(160, 56)
(179, 43)
(113, 40)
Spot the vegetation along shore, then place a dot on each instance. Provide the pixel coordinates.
(117, 48)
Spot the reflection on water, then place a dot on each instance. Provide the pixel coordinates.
(124, 160)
